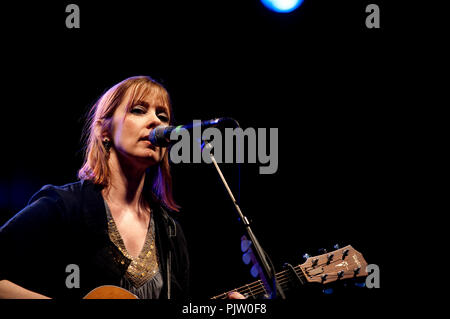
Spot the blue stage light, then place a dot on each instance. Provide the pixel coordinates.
(283, 6)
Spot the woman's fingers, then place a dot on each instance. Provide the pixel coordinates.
(235, 295)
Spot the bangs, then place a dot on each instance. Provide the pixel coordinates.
(156, 93)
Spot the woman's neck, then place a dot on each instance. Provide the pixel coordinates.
(126, 183)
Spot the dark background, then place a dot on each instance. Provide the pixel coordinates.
(318, 74)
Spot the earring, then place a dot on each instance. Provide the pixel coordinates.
(107, 143)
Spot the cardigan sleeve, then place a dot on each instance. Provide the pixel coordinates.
(31, 242)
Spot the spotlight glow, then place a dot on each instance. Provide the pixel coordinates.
(283, 6)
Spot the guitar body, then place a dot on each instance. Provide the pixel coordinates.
(110, 292)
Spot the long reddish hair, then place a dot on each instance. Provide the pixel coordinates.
(158, 183)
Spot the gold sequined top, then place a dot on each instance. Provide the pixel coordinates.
(144, 267)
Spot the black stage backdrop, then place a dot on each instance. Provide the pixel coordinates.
(318, 74)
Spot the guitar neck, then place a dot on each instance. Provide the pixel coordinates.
(257, 288)
(340, 264)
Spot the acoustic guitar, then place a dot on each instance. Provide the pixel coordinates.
(340, 264)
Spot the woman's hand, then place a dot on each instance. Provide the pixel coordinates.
(235, 295)
(9, 290)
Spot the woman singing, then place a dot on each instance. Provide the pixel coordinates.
(114, 226)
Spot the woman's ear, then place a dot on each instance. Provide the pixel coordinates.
(99, 130)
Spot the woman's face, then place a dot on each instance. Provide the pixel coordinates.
(131, 127)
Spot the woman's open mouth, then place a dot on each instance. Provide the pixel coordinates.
(146, 141)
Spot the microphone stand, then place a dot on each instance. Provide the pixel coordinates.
(268, 272)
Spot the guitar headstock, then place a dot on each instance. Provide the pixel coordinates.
(343, 263)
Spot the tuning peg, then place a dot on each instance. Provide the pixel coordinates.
(329, 258)
(322, 251)
(344, 254)
(305, 256)
(336, 246)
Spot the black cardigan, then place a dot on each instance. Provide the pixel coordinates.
(64, 225)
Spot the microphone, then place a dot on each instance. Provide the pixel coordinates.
(160, 135)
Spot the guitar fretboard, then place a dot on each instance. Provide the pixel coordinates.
(257, 289)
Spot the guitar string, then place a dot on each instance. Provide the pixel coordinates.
(254, 286)
(330, 276)
(257, 287)
(279, 276)
(287, 279)
(260, 288)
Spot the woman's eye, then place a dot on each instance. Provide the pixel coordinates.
(137, 110)
(163, 117)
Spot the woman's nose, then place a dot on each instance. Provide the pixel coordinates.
(153, 120)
